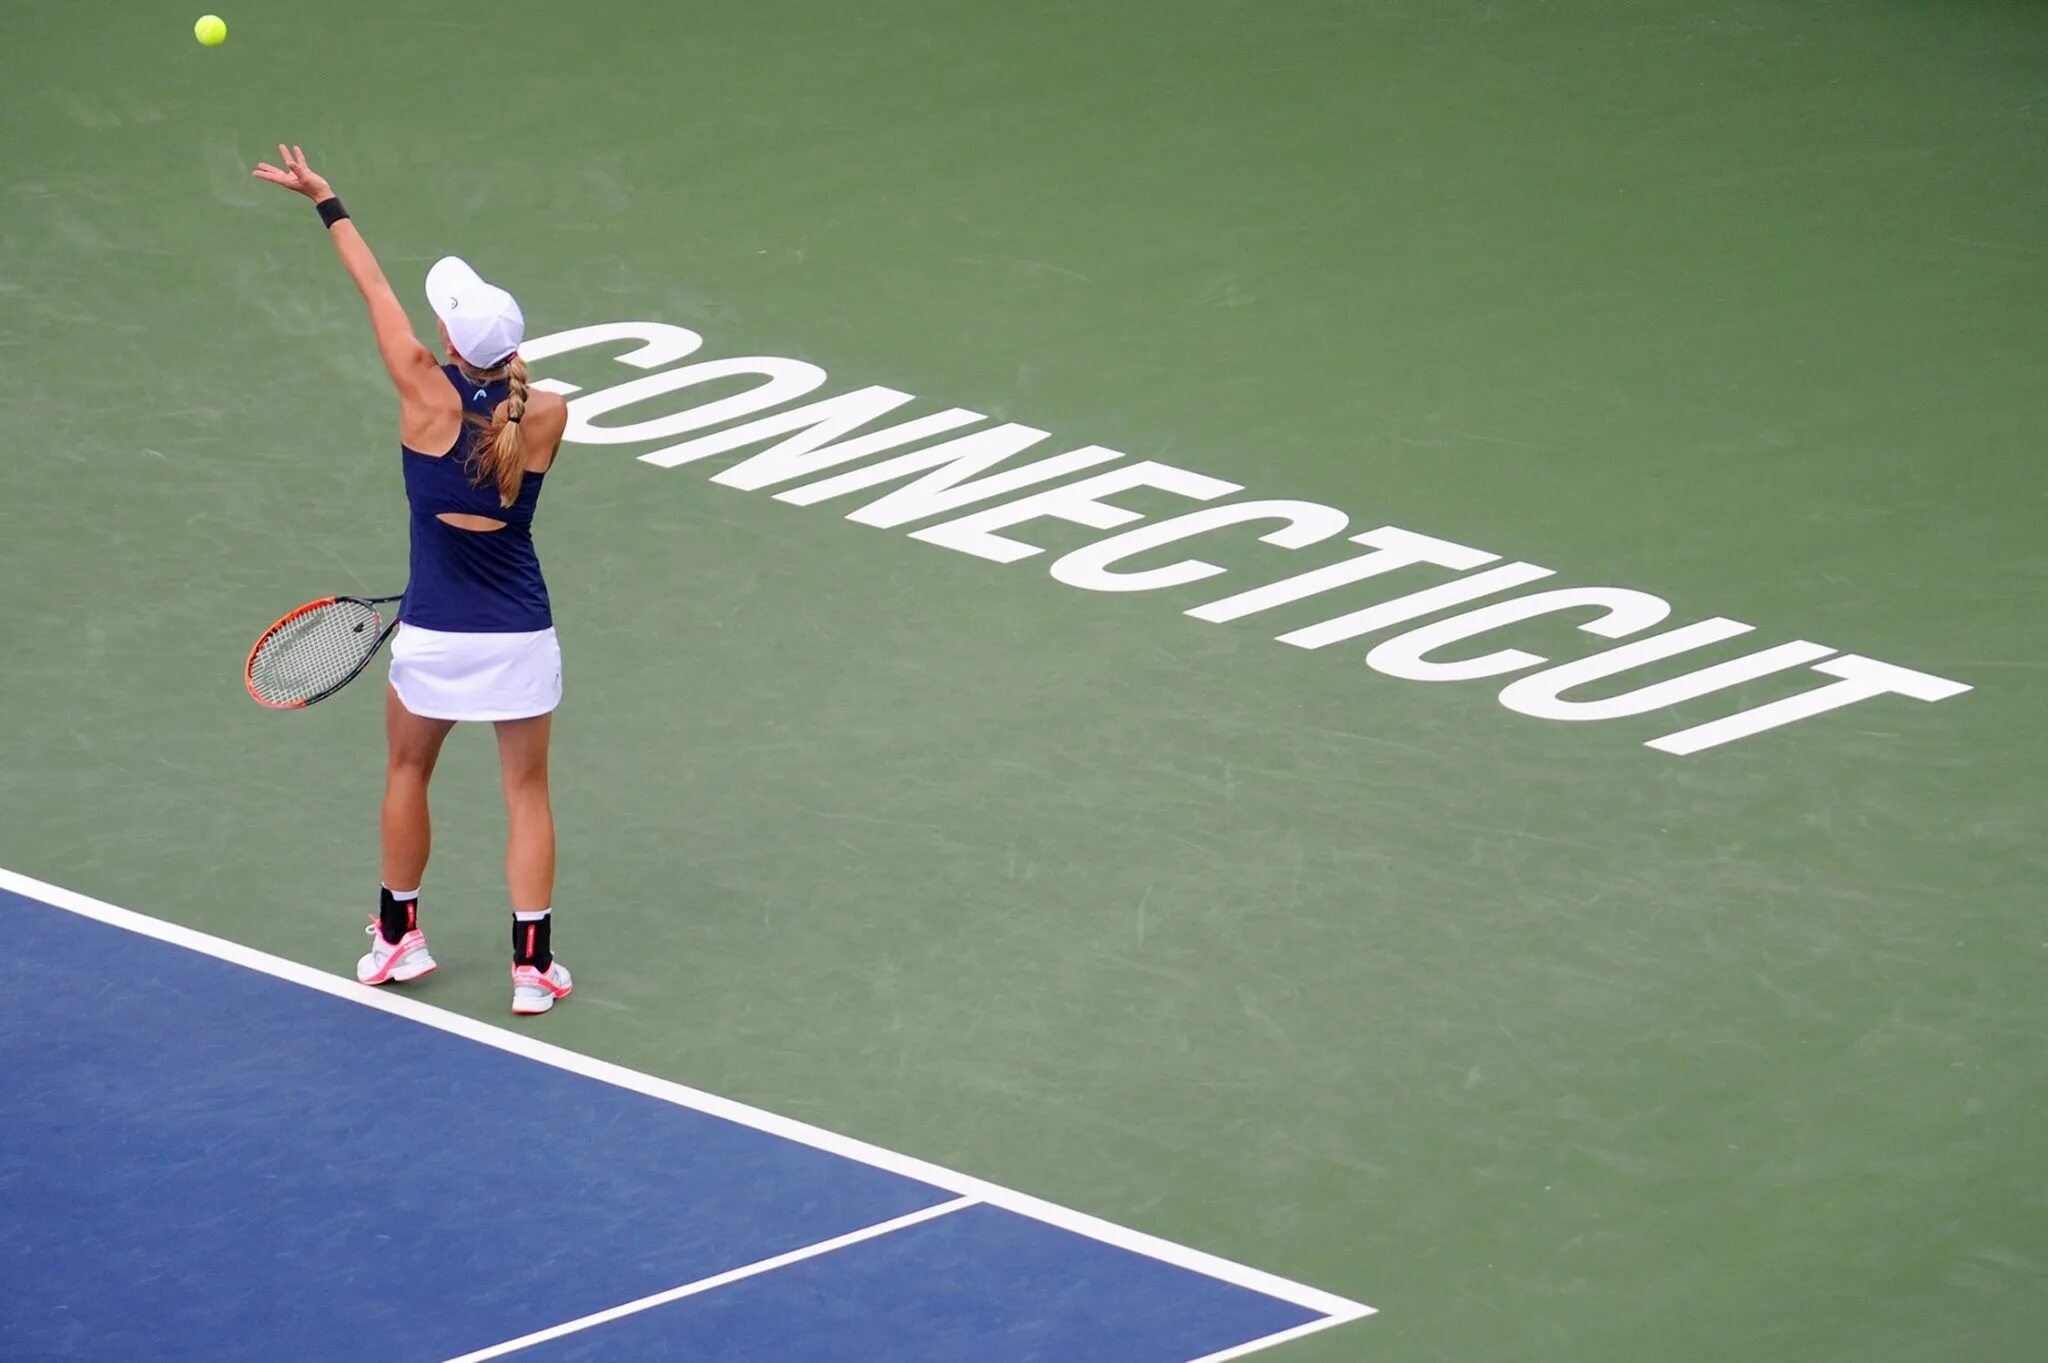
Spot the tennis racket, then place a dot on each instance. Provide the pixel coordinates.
(318, 649)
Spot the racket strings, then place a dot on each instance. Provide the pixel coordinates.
(311, 654)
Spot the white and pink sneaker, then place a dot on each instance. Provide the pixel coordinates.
(389, 962)
(535, 990)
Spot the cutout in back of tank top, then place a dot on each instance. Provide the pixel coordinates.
(475, 525)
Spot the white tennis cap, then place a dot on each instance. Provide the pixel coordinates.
(482, 319)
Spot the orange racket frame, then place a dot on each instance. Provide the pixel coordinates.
(374, 602)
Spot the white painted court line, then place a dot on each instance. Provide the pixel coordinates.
(795, 1256)
(1337, 1309)
(1255, 1345)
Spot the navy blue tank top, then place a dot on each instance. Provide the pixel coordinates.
(471, 581)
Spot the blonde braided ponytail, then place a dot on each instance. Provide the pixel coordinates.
(499, 454)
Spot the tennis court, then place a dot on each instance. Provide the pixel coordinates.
(1331, 682)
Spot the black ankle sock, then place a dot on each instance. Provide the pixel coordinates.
(396, 917)
(530, 945)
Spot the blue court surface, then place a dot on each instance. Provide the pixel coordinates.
(209, 1152)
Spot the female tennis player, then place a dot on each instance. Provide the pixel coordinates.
(476, 637)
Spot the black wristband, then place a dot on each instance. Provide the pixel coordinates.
(331, 211)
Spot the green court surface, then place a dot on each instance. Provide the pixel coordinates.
(1546, 1043)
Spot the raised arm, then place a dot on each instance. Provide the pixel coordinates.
(410, 364)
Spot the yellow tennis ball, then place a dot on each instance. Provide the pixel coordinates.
(211, 30)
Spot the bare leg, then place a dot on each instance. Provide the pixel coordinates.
(530, 834)
(414, 746)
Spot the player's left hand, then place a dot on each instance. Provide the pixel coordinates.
(295, 175)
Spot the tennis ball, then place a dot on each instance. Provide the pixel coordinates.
(212, 30)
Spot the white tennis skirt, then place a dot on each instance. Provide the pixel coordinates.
(440, 674)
